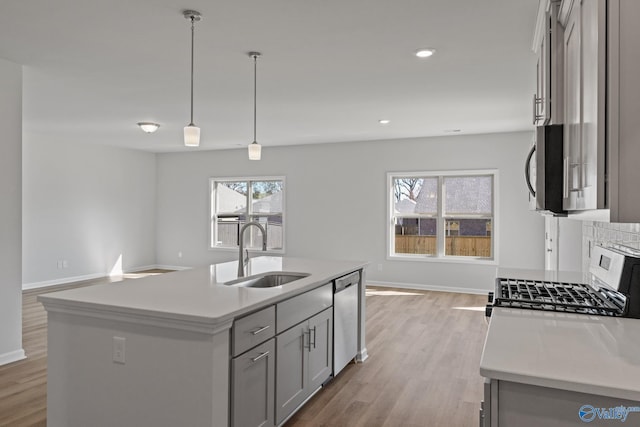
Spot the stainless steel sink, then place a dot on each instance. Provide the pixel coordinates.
(266, 280)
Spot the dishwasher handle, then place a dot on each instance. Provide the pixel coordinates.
(344, 282)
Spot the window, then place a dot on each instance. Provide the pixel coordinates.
(237, 201)
(442, 215)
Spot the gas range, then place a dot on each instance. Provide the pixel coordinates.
(613, 289)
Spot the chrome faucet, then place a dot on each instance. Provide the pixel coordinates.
(241, 259)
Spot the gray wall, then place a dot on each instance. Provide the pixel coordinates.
(10, 212)
(89, 205)
(336, 203)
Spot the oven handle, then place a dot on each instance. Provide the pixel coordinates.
(527, 173)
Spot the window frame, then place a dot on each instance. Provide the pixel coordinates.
(441, 217)
(213, 214)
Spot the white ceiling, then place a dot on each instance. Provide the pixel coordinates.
(330, 69)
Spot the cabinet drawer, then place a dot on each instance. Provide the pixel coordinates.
(253, 329)
(302, 307)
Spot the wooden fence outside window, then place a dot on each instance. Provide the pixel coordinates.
(472, 246)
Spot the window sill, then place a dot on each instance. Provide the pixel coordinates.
(447, 260)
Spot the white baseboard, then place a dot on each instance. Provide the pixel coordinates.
(172, 267)
(12, 356)
(64, 280)
(423, 287)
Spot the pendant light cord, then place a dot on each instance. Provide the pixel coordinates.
(192, 42)
(255, 91)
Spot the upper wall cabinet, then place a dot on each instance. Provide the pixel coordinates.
(601, 108)
(548, 46)
(584, 139)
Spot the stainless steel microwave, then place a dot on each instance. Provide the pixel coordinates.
(543, 170)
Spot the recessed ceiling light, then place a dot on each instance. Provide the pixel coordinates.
(384, 121)
(148, 127)
(425, 53)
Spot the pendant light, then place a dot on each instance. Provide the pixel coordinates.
(255, 149)
(191, 131)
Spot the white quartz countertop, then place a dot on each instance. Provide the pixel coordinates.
(198, 295)
(589, 354)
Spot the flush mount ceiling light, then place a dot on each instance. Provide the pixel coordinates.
(255, 149)
(148, 127)
(424, 53)
(384, 121)
(191, 131)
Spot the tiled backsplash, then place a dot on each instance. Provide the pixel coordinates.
(603, 233)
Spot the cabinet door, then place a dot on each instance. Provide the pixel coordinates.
(541, 101)
(320, 348)
(572, 104)
(253, 376)
(291, 384)
(592, 150)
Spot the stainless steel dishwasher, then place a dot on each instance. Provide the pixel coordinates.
(345, 320)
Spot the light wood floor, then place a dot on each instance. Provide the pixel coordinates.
(423, 366)
(424, 354)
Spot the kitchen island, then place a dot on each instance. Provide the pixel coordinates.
(159, 351)
(556, 369)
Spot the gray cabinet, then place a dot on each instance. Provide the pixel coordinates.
(584, 138)
(253, 369)
(511, 404)
(548, 46)
(294, 310)
(252, 383)
(602, 98)
(251, 330)
(304, 362)
(272, 377)
(292, 348)
(320, 348)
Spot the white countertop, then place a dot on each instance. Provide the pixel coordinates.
(588, 354)
(197, 296)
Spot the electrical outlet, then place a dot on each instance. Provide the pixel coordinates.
(119, 349)
(180, 254)
(65, 263)
(59, 264)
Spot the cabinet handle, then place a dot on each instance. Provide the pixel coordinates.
(260, 356)
(572, 188)
(309, 341)
(257, 331)
(314, 338)
(583, 176)
(536, 117)
(565, 178)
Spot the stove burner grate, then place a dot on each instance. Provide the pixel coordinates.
(557, 296)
